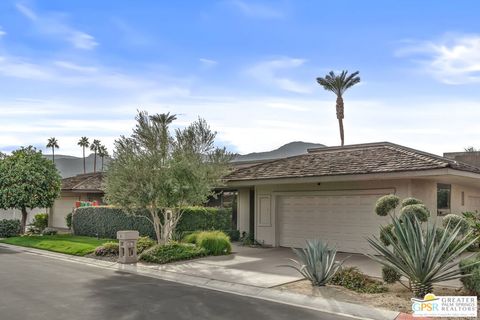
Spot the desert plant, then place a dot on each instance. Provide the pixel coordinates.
(389, 275)
(351, 278)
(107, 249)
(10, 228)
(384, 230)
(49, 232)
(417, 210)
(316, 262)
(451, 220)
(410, 201)
(172, 251)
(386, 204)
(419, 255)
(214, 242)
(144, 243)
(471, 270)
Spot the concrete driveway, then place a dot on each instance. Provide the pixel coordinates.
(261, 267)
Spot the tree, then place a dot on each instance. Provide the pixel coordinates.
(163, 171)
(102, 153)
(53, 143)
(84, 143)
(338, 84)
(95, 147)
(27, 181)
(471, 149)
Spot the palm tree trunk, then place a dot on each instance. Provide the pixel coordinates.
(340, 116)
(84, 168)
(95, 162)
(102, 164)
(53, 155)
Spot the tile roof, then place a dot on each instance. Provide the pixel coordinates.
(91, 182)
(381, 157)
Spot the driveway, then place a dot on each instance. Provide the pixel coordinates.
(41, 288)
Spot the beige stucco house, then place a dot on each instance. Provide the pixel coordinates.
(329, 193)
(82, 187)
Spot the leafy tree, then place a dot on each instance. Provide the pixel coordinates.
(27, 181)
(84, 143)
(53, 143)
(95, 147)
(102, 153)
(164, 171)
(338, 84)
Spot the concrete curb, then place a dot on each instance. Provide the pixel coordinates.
(346, 309)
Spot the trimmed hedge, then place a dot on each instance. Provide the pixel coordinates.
(9, 228)
(172, 251)
(104, 222)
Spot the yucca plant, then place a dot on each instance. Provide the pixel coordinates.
(316, 262)
(423, 256)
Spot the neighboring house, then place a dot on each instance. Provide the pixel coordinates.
(82, 187)
(330, 193)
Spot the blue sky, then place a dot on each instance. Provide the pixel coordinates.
(75, 68)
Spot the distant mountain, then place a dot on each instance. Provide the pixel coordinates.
(288, 150)
(70, 166)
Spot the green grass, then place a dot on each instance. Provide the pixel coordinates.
(65, 243)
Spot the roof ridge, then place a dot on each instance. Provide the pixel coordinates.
(420, 154)
(82, 182)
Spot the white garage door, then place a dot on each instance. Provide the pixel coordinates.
(343, 220)
(62, 207)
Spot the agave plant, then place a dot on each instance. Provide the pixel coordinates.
(316, 262)
(422, 255)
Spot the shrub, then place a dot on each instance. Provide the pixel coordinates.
(351, 278)
(191, 237)
(107, 249)
(316, 262)
(9, 228)
(386, 233)
(214, 242)
(410, 201)
(40, 222)
(104, 222)
(386, 204)
(473, 219)
(450, 221)
(471, 283)
(172, 251)
(389, 275)
(144, 243)
(68, 220)
(415, 210)
(49, 232)
(234, 235)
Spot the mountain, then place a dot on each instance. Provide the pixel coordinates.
(288, 150)
(70, 166)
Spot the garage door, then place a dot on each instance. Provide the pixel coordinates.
(61, 208)
(343, 220)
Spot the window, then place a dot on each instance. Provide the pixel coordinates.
(443, 198)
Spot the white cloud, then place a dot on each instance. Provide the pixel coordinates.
(455, 59)
(50, 24)
(256, 10)
(208, 63)
(269, 73)
(75, 67)
(2, 32)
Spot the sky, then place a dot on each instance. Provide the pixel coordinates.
(83, 68)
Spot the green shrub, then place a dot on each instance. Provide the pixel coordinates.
(234, 235)
(144, 243)
(191, 237)
(389, 275)
(9, 228)
(471, 283)
(68, 220)
(214, 242)
(450, 221)
(107, 249)
(410, 201)
(104, 222)
(40, 222)
(415, 210)
(351, 278)
(173, 251)
(49, 232)
(386, 233)
(386, 204)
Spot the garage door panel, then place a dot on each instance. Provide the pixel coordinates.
(344, 221)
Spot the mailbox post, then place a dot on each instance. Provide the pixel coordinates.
(127, 244)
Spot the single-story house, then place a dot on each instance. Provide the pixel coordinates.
(330, 192)
(82, 187)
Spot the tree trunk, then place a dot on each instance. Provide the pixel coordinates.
(156, 226)
(95, 162)
(340, 116)
(53, 155)
(24, 220)
(102, 164)
(84, 167)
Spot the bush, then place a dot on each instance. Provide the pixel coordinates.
(144, 243)
(49, 232)
(107, 249)
(68, 220)
(234, 235)
(386, 233)
(172, 251)
(104, 222)
(415, 210)
(9, 228)
(191, 237)
(389, 275)
(40, 222)
(386, 204)
(353, 279)
(214, 242)
(410, 201)
(471, 283)
(452, 220)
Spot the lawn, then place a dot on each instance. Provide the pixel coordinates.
(65, 243)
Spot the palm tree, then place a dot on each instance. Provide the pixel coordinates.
(53, 143)
(102, 153)
(83, 142)
(95, 147)
(338, 84)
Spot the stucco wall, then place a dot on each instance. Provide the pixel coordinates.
(243, 210)
(17, 214)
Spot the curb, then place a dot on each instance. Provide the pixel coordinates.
(345, 309)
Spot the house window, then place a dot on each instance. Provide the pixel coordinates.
(443, 198)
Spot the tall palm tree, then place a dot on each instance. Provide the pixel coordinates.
(338, 84)
(53, 143)
(102, 153)
(84, 143)
(95, 147)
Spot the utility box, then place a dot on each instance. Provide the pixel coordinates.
(127, 245)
